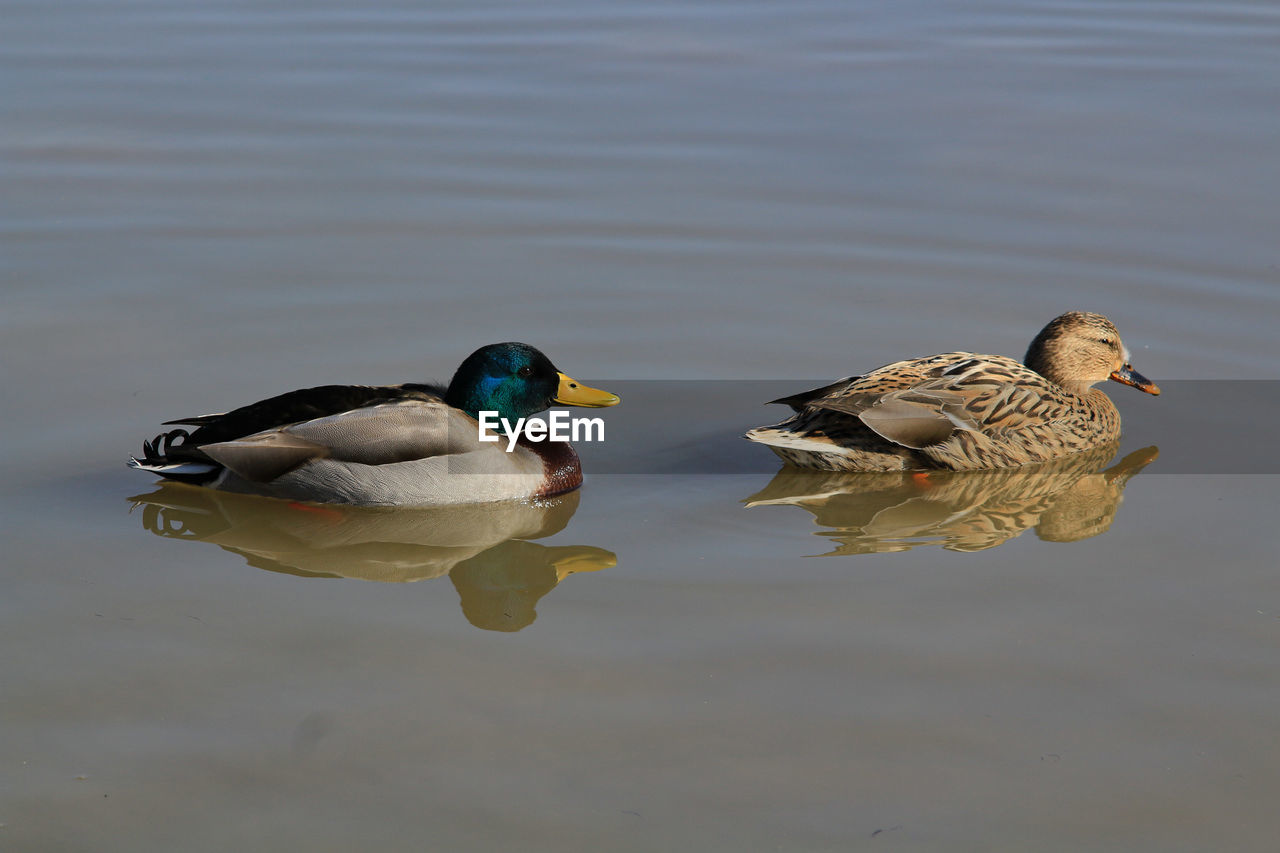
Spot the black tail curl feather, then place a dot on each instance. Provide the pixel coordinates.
(161, 449)
(171, 454)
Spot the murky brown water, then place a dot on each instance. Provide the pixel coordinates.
(206, 204)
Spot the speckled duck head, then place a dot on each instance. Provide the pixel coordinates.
(1077, 350)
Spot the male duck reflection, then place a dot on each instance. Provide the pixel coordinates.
(963, 411)
(411, 444)
(499, 575)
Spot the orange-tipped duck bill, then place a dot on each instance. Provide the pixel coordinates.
(1126, 375)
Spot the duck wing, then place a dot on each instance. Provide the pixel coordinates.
(915, 418)
(297, 406)
(922, 404)
(380, 434)
(798, 402)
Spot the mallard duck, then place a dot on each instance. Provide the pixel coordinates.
(411, 444)
(963, 411)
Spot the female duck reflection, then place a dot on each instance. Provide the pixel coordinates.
(498, 574)
(1065, 500)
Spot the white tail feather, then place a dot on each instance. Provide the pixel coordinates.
(173, 467)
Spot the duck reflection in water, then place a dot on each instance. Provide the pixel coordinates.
(497, 573)
(1065, 500)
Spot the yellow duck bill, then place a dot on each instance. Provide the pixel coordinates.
(573, 393)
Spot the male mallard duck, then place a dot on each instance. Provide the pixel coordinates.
(411, 444)
(963, 411)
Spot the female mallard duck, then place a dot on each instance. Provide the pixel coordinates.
(963, 411)
(411, 444)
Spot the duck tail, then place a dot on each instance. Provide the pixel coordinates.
(779, 436)
(168, 456)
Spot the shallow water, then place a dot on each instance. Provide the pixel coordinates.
(701, 206)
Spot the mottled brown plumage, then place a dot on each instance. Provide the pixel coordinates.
(963, 411)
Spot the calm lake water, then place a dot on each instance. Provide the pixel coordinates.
(699, 205)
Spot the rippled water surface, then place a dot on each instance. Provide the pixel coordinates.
(703, 205)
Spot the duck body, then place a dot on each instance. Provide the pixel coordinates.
(962, 410)
(412, 444)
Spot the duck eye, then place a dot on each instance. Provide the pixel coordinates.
(1106, 341)
(525, 372)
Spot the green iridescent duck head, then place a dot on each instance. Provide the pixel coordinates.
(516, 380)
